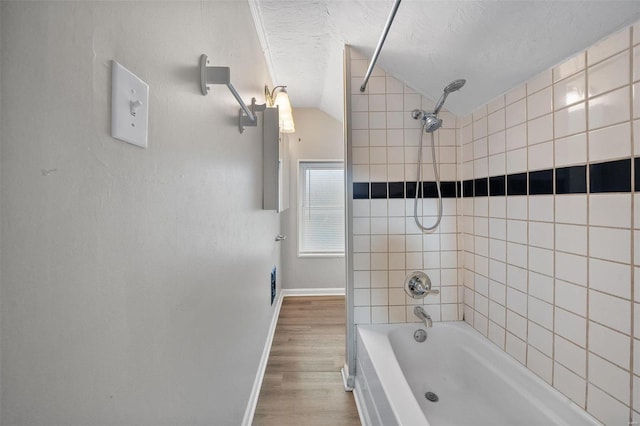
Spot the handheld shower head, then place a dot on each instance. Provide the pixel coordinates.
(451, 87)
(455, 85)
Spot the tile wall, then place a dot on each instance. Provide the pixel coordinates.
(387, 244)
(551, 225)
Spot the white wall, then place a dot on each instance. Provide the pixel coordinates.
(318, 137)
(135, 282)
(552, 277)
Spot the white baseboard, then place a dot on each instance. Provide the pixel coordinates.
(262, 366)
(337, 291)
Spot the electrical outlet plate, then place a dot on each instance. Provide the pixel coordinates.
(129, 106)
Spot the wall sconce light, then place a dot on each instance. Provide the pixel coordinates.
(281, 100)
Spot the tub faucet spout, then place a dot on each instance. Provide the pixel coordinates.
(423, 315)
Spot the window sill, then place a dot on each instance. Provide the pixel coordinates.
(320, 255)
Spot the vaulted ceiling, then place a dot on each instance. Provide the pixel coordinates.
(495, 45)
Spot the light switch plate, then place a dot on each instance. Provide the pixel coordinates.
(129, 106)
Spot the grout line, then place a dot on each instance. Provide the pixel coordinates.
(632, 221)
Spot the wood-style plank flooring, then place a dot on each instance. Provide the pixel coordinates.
(302, 383)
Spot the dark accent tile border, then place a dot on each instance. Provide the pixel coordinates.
(610, 176)
(571, 180)
(541, 182)
(378, 190)
(497, 185)
(517, 184)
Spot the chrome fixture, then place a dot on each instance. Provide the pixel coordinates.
(285, 112)
(423, 315)
(280, 237)
(376, 52)
(417, 285)
(430, 123)
(221, 75)
(419, 335)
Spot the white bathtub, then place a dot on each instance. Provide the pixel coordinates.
(477, 383)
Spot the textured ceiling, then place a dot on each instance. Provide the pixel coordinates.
(495, 45)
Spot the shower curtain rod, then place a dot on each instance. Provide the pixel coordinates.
(376, 53)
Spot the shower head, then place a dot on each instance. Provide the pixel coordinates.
(454, 86)
(451, 87)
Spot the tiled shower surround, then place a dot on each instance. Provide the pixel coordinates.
(548, 224)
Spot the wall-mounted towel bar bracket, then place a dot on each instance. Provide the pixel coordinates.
(222, 75)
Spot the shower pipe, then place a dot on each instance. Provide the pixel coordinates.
(376, 53)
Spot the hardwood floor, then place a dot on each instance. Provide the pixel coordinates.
(302, 383)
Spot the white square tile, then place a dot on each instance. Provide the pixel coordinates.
(517, 231)
(395, 119)
(396, 261)
(570, 326)
(496, 334)
(376, 85)
(516, 137)
(570, 384)
(496, 143)
(379, 226)
(540, 364)
(395, 102)
(361, 226)
(480, 128)
(571, 297)
(395, 172)
(361, 243)
(480, 149)
(495, 104)
(379, 315)
(541, 287)
(571, 209)
(569, 91)
(609, 344)
(540, 156)
(610, 311)
(359, 120)
(610, 244)
(517, 254)
(395, 155)
(378, 138)
(541, 260)
(539, 82)
(605, 408)
(540, 338)
(516, 324)
(378, 173)
(515, 94)
(541, 208)
(571, 150)
(609, 109)
(396, 226)
(636, 63)
(609, 74)
(610, 378)
(397, 314)
(570, 120)
(539, 103)
(571, 356)
(610, 143)
(497, 313)
(361, 297)
(379, 262)
(516, 348)
(361, 172)
(540, 312)
(516, 302)
(608, 46)
(516, 113)
(362, 315)
(378, 207)
(376, 103)
(610, 277)
(517, 207)
(571, 268)
(571, 239)
(396, 296)
(393, 85)
(610, 210)
(517, 161)
(360, 155)
(379, 297)
(569, 67)
(379, 279)
(497, 164)
(517, 278)
(378, 155)
(377, 120)
(361, 279)
(496, 122)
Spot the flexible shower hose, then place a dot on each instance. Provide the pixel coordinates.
(419, 183)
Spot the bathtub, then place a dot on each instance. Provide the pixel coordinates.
(475, 382)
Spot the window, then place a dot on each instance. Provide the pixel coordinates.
(321, 208)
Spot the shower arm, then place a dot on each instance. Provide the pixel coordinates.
(383, 37)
